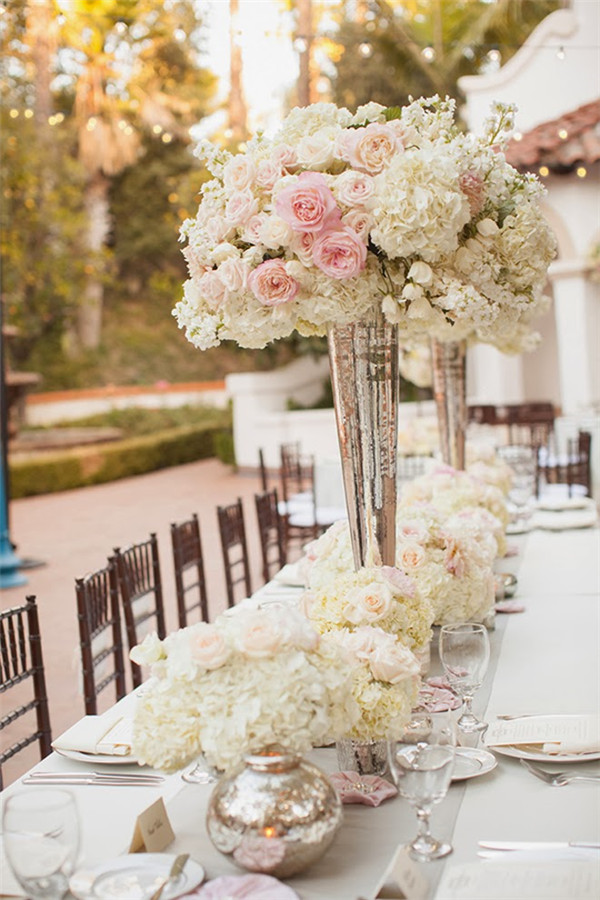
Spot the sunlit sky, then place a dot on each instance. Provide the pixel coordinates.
(270, 63)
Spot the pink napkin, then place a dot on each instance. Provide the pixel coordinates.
(509, 606)
(244, 887)
(436, 695)
(368, 789)
(511, 550)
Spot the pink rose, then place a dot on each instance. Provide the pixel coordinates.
(354, 188)
(271, 284)
(208, 647)
(473, 187)
(268, 173)
(238, 173)
(340, 254)
(254, 225)
(454, 559)
(399, 580)
(302, 244)
(308, 204)
(360, 222)
(212, 288)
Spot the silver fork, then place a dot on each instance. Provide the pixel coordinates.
(557, 779)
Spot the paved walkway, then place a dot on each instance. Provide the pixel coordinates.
(75, 531)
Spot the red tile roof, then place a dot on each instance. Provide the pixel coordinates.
(572, 139)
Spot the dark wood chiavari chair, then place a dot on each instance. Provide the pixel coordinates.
(271, 530)
(232, 531)
(21, 661)
(188, 563)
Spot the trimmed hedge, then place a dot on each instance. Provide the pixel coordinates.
(80, 467)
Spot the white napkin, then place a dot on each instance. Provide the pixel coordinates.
(573, 746)
(109, 734)
(561, 734)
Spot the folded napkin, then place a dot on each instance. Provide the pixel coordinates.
(509, 606)
(436, 695)
(371, 790)
(572, 746)
(109, 734)
(244, 887)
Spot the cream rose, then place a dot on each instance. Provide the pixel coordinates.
(260, 637)
(370, 149)
(208, 647)
(367, 604)
(410, 556)
(271, 284)
(393, 663)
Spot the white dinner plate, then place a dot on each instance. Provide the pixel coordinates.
(560, 521)
(527, 751)
(558, 504)
(98, 758)
(469, 762)
(135, 876)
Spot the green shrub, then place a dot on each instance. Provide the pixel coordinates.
(101, 463)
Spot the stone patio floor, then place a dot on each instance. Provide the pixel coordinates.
(73, 533)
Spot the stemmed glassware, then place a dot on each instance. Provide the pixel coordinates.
(465, 655)
(522, 461)
(201, 773)
(41, 840)
(421, 764)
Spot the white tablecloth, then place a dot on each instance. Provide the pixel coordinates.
(549, 662)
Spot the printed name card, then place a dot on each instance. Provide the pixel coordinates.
(153, 832)
(576, 731)
(521, 881)
(403, 880)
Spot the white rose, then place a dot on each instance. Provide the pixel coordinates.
(354, 188)
(275, 233)
(223, 251)
(367, 604)
(393, 664)
(208, 647)
(149, 651)
(240, 207)
(359, 221)
(234, 274)
(410, 556)
(316, 151)
(268, 173)
(238, 173)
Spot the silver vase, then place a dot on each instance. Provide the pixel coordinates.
(363, 358)
(449, 364)
(278, 814)
(364, 757)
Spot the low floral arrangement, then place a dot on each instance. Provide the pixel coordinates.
(235, 686)
(452, 490)
(345, 215)
(381, 596)
(385, 680)
(447, 558)
(450, 558)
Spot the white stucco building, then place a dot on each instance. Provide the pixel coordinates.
(555, 81)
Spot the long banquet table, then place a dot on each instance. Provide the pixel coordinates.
(545, 660)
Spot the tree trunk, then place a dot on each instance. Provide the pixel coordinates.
(89, 318)
(306, 36)
(237, 106)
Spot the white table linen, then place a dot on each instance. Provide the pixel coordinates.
(549, 662)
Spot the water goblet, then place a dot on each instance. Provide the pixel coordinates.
(41, 840)
(522, 461)
(465, 654)
(201, 773)
(421, 763)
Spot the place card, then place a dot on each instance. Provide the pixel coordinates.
(521, 881)
(580, 731)
(153, 831)
(403, 880)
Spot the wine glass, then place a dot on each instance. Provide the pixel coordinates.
(421, 763)
(522, 461)
(202, 772)
(41, 840)
(465, 654)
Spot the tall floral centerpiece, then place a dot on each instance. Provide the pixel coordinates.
(370, 227)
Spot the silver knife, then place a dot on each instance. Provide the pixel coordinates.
(128, 776)
(536, 845)
(90, 779)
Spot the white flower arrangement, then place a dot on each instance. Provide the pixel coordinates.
(484, 464)
(447, 556)
(235, 686)
(340, 215)
(385, 681)
(452, 490)
(378, 595)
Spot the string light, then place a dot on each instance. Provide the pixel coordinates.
(28, 113)
(581, 172)
(365, 49)
(167, 138)
(91, 123)
(544, 171)
(14, 113)
(428, 53)
(563, 134)
(157, 129)
(517, 136)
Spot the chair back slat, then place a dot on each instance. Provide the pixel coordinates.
(100, 635)
(232, 532)
(21, 658)
(188, 563)
(141, 593)
(271, 530)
